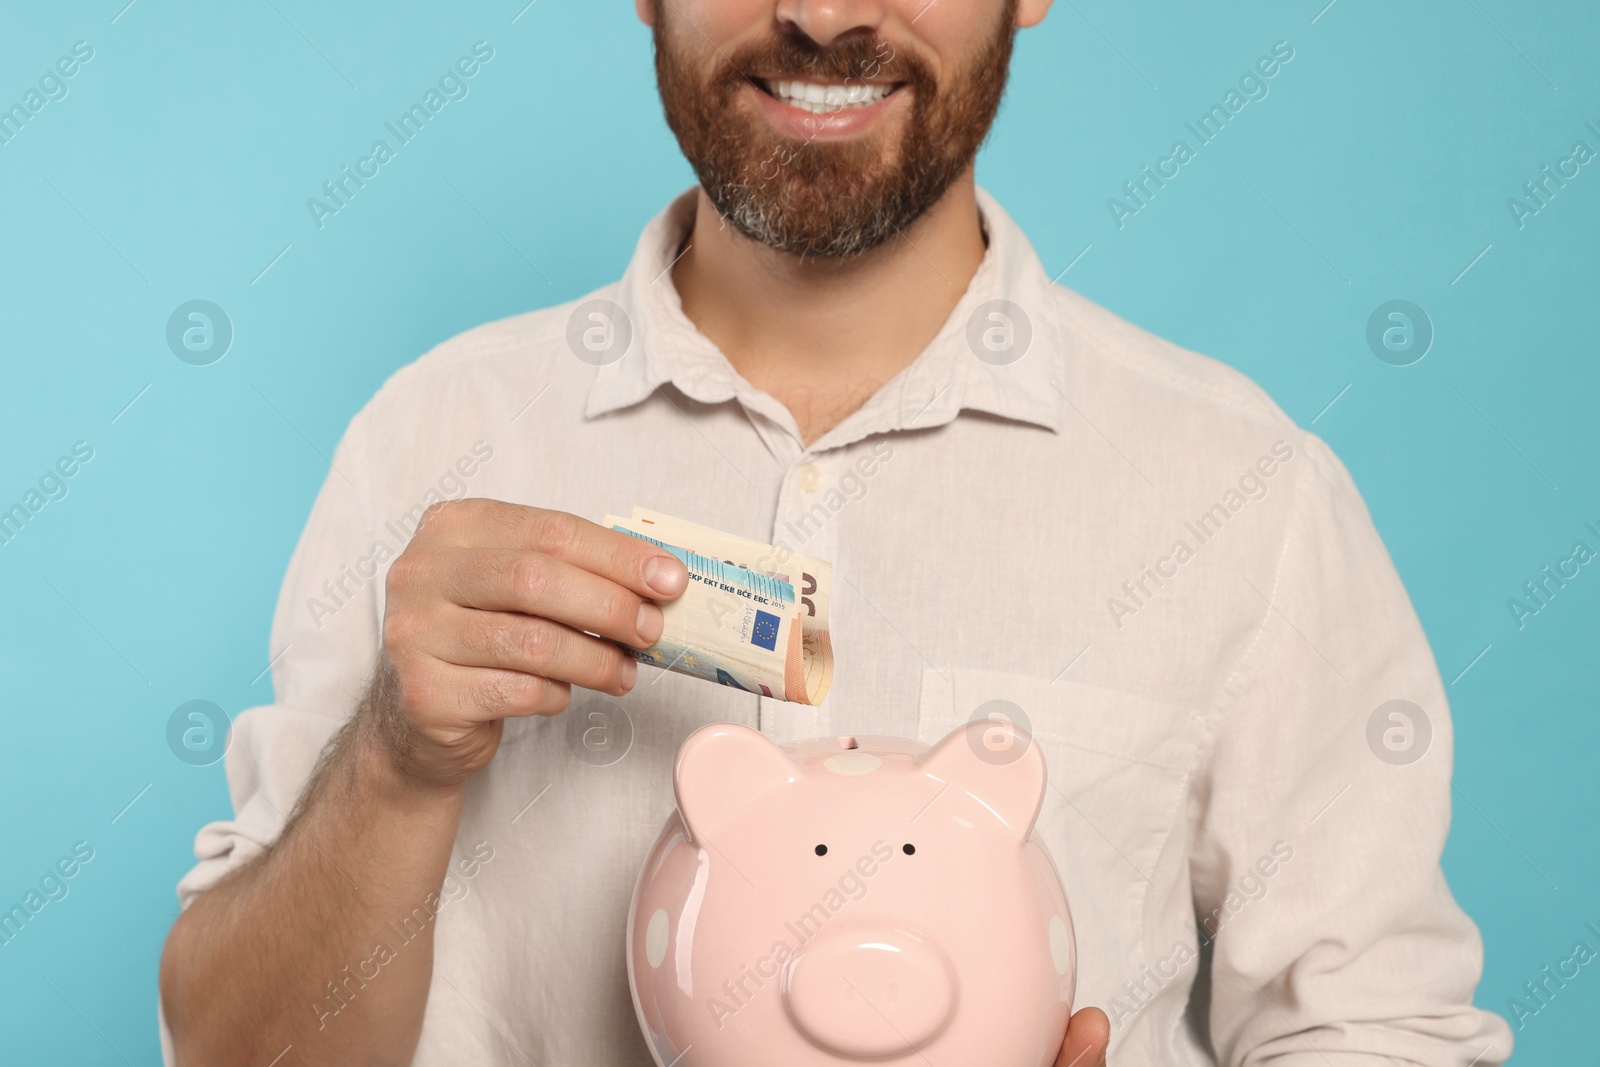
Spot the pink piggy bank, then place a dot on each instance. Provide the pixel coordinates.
(846, 900)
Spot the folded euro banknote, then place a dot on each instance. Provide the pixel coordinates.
(754, 616)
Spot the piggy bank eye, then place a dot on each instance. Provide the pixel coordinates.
(822, 850)
(909, 849)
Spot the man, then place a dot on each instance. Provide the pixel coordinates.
(837, 343)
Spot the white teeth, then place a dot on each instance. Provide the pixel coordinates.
(815, 97)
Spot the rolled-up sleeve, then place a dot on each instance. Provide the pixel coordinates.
(323, 649)
(1319, 819)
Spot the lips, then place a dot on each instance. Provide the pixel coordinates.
(819, 111)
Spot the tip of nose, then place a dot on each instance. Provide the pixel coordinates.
(870, 993)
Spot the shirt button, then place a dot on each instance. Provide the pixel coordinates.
(810, 477)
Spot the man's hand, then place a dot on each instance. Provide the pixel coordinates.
(491, 612)
(486, 615)
(1088, 1033)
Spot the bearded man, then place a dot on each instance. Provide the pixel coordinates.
(839, 344)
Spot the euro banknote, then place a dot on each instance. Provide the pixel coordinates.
(754, 615)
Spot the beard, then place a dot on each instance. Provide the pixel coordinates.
(830, 199)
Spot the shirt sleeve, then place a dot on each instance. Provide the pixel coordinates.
(323, 649)
(1319, 820)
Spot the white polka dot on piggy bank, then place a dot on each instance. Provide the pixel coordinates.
(851, 900)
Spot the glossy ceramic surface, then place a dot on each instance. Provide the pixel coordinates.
(848, 900)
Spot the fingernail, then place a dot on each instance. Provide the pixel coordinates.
(648, 623)
(665, 575)
(630, 671)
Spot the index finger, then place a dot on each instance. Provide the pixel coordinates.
(630, 562)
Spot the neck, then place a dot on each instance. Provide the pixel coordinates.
(822, 335)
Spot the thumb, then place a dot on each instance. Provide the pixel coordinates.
(1088, 1033)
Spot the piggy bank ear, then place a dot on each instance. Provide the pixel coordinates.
(721, 769)
(998, 763)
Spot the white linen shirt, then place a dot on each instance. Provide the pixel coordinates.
(1180, 590)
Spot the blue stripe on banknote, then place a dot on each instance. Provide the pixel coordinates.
(776, 590)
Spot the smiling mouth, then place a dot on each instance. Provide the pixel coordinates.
(826, 97)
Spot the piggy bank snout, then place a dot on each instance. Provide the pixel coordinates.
(869, 992)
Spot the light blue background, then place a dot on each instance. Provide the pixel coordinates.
(179, 166)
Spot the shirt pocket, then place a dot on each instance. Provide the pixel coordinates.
(1112, 815)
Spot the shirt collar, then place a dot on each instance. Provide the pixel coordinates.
(999, 352)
